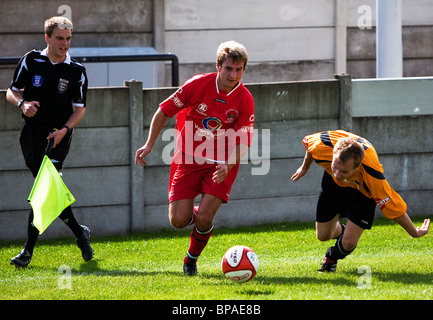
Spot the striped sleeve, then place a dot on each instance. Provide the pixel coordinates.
(21, 72)
(319, 145)
(79, 99)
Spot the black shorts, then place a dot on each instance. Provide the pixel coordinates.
(33, 141)
(346, 201)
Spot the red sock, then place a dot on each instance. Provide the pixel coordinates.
(198, 241)
(328, 261)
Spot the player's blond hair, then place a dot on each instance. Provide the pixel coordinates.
(348, 148)
(53, 22)
(232, 50)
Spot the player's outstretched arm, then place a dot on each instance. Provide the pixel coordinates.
(302, 170)
(416, 232)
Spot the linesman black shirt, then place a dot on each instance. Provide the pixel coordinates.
(57, 86)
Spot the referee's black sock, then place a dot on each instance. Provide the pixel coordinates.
(337, 252)
(32, 234)
(68, 218)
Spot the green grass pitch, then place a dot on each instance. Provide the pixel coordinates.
(387, 265)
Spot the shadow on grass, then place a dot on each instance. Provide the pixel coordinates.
(287, 226)
(170, 234)
(405, 277)
(92, 268)
(262, 285)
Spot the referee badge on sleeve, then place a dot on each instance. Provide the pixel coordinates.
(62, 86)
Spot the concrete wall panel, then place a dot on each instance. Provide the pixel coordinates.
(116, 197)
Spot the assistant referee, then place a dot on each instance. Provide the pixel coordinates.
(52, 104)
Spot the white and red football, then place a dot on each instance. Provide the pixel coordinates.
(240, 264)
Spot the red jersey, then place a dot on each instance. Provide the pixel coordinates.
(369, 179)
(210, 122)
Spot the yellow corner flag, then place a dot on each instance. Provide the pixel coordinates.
(49, 196)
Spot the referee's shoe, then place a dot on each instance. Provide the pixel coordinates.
(84, 244)
(22, 260)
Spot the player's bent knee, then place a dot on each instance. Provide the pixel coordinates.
(178, 224)
(180, 213)
(179, 221)
(323, 236)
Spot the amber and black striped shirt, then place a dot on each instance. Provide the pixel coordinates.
(369, 179)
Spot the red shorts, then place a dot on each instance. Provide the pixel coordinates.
(187, 181)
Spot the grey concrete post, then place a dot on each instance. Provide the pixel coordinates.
(136, 140)
(389, 40)
(344, 101)
(340, 36)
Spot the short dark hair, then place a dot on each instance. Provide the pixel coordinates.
(348, 148)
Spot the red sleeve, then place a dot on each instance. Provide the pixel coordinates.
(172, 104)
(178, 100)
(245, 122)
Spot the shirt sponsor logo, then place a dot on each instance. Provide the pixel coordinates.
(37, 81)
(202, 108)
(305, 142)
(178, 103)
(212, 123)
(382, 202)
(220, 100)
(249, 128)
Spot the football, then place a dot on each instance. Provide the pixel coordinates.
(240, 264)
